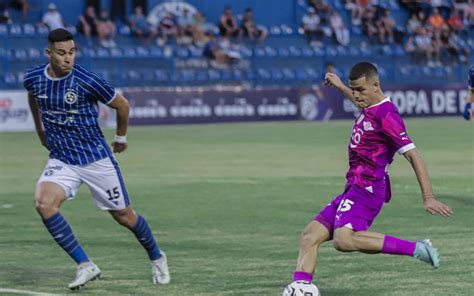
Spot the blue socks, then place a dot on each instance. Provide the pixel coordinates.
(144, 235)
(62, 234)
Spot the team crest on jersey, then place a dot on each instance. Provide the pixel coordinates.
(70, 97)
(404, 135)
(368, 126)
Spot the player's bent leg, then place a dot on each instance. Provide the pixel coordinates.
(139, 226)
(348, 240)
(48, 199)
(312, 237)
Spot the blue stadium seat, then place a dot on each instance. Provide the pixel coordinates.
(354, 51)
(277, 74)
(270, 51)
(133, 76)
(201, 75)
(318, 51)
(124, 30)
(342, 51)
(29, 30)
(161, 75)
(307, 51)
(42, 30)
(34, 53)
(283, 52)
(238, 74)
(102, 53)
(195, 51)
(213, 74)
(116, 53)
(143, 52)
(129, 52)
(259, 52)
(263, 74)
(289, 74)
(182, 52)
(89, 52)
(294, 51)
(156, 52)
(19, 54)
(275, 31)
(15, 30)
(3, 30)
(245, 52)
(331, 51)
(286, 29)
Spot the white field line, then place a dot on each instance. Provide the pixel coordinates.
(26, 292)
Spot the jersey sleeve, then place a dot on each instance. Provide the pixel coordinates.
(102, 90)
(394, 130)
(28, 82)
(471, 78)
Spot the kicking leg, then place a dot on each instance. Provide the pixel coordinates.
(312, 237)
(139, 226)
(48, 198)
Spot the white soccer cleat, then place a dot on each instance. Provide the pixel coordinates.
(301, 288)
(159, 270)
(86, 272)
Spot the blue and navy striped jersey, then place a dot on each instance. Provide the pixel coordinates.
(69, 111)
(471, 77)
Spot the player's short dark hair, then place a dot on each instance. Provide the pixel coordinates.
(59, 35)
(363, 69)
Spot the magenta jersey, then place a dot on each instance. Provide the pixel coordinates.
(378, 133)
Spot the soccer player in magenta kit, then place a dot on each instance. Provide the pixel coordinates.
(63, 99)
(378, 133)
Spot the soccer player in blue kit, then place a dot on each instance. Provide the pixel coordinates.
(63, 98)
(469, 107)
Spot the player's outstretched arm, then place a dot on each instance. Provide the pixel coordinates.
(333, 80)
(120, 104)
(432, 205)
(37, 119)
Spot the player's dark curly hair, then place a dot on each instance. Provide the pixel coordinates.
(59, 35)
(363, 69)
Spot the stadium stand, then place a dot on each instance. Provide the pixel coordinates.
(285, 57)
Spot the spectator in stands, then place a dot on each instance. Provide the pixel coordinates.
(356, 11)
(368, 23)
(321, 8)
(200, 26)
(117, 10)
(5, 16)
(447, 46)
(228, 24)
(413, 24)
(456, 23)
(312, 28)
(466, 10)
(140, 27)
(425, 45)
(415, 6)
(250, 29)
(185, 28)
(88, 24)
(143, 4)
(386, 26)
(168, 27)
(106, 30)
(52, 18)
(341, 33)
(23, 6)
(444, 7)
(213, 51)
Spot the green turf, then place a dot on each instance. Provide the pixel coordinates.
(228, 202)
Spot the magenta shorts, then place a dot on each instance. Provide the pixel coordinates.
(356, 208)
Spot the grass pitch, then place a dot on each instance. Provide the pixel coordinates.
(228, 202)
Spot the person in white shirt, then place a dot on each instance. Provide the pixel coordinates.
(52, 18)
(311, 26)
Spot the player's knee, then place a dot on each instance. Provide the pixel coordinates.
(343, 243)
(124, 218)
(45, 206)
(310, 238)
